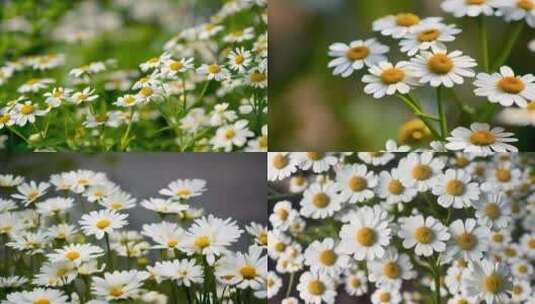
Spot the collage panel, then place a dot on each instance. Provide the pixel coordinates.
(444, 75)
(133, 228)
(413, 227)
(133, 75)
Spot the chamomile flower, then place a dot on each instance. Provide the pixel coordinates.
(386, 296)
(148, 94)
(10, 180)
(35, 85)
(12, 281)
(231, 135)
(505, 88)
(9, 224)
(356, 183)
(356, 283)
(316, 161)
(386, 78)
(316, 288)
(427, 235)
(390, 188)
(518, 116)
(521, 291)
(54, 206)
(366, 233)
(118, 200)
(429, 34)
(184, 189)
(481, 139)
(100, 222)
(55, 274)
(37, 296)
(30, 242)
(7, 205)
(62, 232)
(210, 237)
(470, 8)
(356, 55)
(240, 35)
(118, 285)
(468, 240)
(257, 78)
(7, 118)
(440, 68)
(127, 101)
(397, 25)
(213, 71)
(239, 59)
(391, 269)
(320, 201)
(171, 67)
(166, 235)
(76, 253)
(420, 170)
(84, 96)
(88, 69)
(488, 281)
(259, 233)
(247, 270)
(26, 113)
(455, 189)
(163, 206)
(274, 283)
(58, 95)
(325, 257)
(28, 193)
(516, 10)
(521, 268)
(280, 165)
(184, 272)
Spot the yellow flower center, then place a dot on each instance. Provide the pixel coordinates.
(527, 5)
(279, 161)
(257, 77)
(428, 35)
(280, 247)
(357, 53)
(531, 244)
(482, 138)
(384, 297)
(214, 68)
(407, 19)
(103, 224)
(498, 238)
(355, 283)
(517, 290)
(357, 183)
(316, 287)
(424, 235)
(366, 236)
(466, 241)
(395, 187)
(314, 155)
(511, 85)
(175, 65)
(503, 175)
(57, 93)
(263, 141)
(41, 301)
(72, 255)
(492, 210)
(202, 242)
(522, 269)
(129, 99)
(239, 59)
(461, 162)
(33, 81)
(475, 2)
(282, 213)
(27, 109)
(248, 272)
(4, 118)
(391, 270)
(321, 200)
(263, 239)
(328, 257)
(510, 252)
(172, 243)
(440, 64)
(421, 172)
(531, 106)
(493, 283)
(455, 187)
(183, 193)
(116, 292)
(146, 91)
(392, 75)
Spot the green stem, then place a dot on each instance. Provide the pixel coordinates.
(513, 35)
(14, 131)
(124, 140)
(290, 284)
(442, 112)
(108, 249)
(483, 40)
(436, 275)
(412, 105)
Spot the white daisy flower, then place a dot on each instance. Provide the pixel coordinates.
(163, 206)
(386, 296)
(37, 296)
(231, 135)
(184, 189)
(488, 281)
(521, 268)
(420, 170)
(320, 201)
(376, 158)
(166, 235)
(7, 118)
(427, 235)
(245, 270)
(355, 183)
(516, 10)
(210, 236)
(518, 116)
(326, 257)
(213, 71)
(84, 96)
(439, 67)
(389, 271)
(282, 216)
(119, 285)
(239, 59)
(76, 253)
(54, 206)
(58, 95)
(12, 281)
(316, 161)
(521, 291)
(528, 244)
(274, 283)
(366, 234)
(498, 239)
(118, 200)
(481, 139)
(257, 78)
(88, 69)
(7, 205)
(356, 283)
(470, 8)
(62, 232)
(56, 274)
(184, 272)
(29, 242)
(240, 35)
(356, 55)
(429, 34)
(34, 85)
(9, 224)
(149, 93)
(316, 288)
(171, 67)
(28, 193)
(396, 26)
(100, 222)
(10, 180)
(259, 233)
(26, 112)
(390, 188)
(505, 88)
(455, 189)
(126, 101)
(468, 240)
(386, 78)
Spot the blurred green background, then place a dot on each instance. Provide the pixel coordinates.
(312, 110)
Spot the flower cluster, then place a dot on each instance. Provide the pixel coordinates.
(412, 227)
(207, 91)
(67, 240)
(429, 59)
